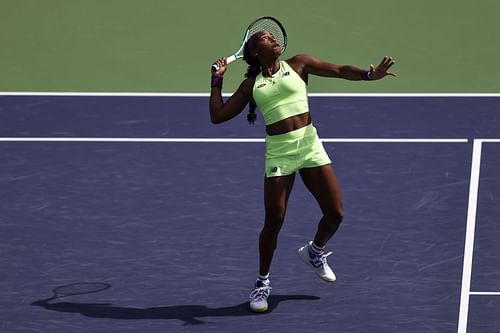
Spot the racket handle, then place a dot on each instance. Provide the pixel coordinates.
(229, 60)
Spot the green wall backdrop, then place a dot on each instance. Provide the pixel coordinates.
(168, 46)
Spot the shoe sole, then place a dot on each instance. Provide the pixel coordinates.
(259, 310)
(308, 263)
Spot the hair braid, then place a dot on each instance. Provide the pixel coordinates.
(254, 68)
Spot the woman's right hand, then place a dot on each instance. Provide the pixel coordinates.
(222, 64)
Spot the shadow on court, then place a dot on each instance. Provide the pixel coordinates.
(189, 314)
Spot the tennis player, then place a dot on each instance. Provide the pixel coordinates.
(278, 88)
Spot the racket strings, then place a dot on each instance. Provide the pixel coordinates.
(272, 27)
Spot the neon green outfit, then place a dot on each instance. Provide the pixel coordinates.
(279, 97)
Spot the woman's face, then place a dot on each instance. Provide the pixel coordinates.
(263, 43)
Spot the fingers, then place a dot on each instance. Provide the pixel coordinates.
(219, 66)
(387, 62)
(221, 62)
(383, 68)
(384, 59)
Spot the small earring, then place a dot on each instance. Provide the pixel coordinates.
(256, 54)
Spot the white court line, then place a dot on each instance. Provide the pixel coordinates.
(489, 140)
(187, 94)
(221, 140)
(138, 140)
(469, 236)
(485, 293)
(393, 140)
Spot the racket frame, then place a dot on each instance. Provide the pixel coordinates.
(97, 287)
(239, 53)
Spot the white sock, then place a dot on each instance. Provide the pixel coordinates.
(263, 278)
(315, 249)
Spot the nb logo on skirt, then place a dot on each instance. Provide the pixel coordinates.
(273, 170)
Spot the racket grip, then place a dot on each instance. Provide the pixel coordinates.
(229, 60)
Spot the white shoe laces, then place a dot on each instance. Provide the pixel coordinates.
(260, 293)
(320, 259)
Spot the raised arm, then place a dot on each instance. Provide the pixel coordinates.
(306, 64)
(221, 111)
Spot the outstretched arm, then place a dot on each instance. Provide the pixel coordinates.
(306, 64)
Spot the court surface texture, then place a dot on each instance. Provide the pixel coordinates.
(143, 193)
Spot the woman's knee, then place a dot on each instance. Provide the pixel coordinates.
(273, 224)
(335, 215)
(274, 220)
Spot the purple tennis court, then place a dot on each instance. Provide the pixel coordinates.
(144, 195)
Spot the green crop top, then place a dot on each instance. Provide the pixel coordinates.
(281, 96)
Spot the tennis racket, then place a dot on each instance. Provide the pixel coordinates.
(266, 23)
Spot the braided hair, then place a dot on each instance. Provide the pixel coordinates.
(254, 68)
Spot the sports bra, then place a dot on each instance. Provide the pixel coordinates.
(281, 96)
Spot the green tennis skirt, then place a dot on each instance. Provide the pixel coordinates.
(290, 152)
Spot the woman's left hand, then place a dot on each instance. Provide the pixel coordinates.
(382, 70)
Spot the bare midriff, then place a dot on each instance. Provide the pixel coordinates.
(289, 124)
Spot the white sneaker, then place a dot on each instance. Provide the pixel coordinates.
(258, 297)
(318, 263)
